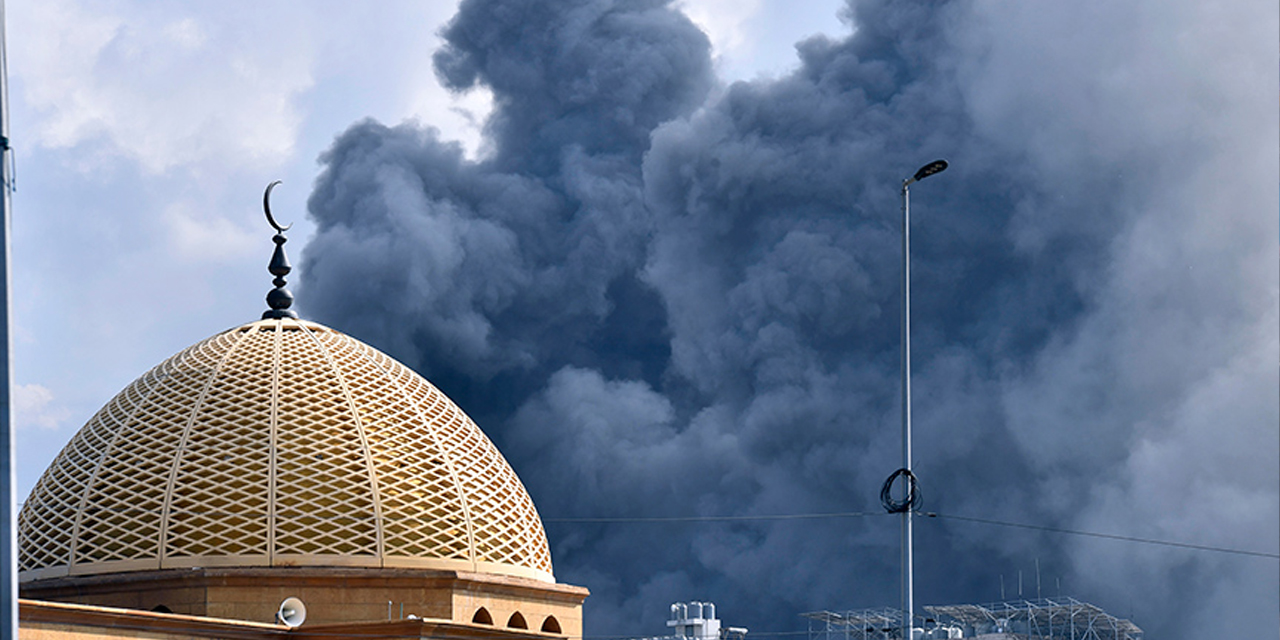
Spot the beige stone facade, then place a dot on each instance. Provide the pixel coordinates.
(332, 595)
(60, 621)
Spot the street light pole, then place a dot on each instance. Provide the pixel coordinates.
(908, 484)
(8, 473)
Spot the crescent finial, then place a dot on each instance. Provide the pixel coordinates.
(279, 298)
(266, 207)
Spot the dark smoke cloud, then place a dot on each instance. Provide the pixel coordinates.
(662, 296)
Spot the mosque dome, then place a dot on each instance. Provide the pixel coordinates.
(280, 443)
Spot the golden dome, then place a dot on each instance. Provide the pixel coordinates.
(280, 443)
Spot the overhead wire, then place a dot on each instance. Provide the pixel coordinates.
(780, 516)
(828, 516)
(1109, 536)
(929, 514)
(585, 520)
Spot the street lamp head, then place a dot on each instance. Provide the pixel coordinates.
(937, 166)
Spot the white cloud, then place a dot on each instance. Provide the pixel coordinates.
(751, 38)
(724, 21)
(460, 117)
(197, 237)
(162, 88)
(186, 33)
(34, 406)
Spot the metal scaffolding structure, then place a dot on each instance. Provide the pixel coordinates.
(863, 624)
(1044, 619)
(1048, 618)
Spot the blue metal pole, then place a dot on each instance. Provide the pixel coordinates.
(8, 502)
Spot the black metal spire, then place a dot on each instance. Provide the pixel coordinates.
(279, 298)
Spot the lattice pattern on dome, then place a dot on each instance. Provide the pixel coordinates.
(280, 442)
(222, 468)
(506, 525)
(423, 513)
(118, 519)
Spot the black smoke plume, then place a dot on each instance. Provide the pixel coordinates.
(664, 296)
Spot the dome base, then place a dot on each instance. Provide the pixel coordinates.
(331, 594)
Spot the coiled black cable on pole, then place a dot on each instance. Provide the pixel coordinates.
(914, 498)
